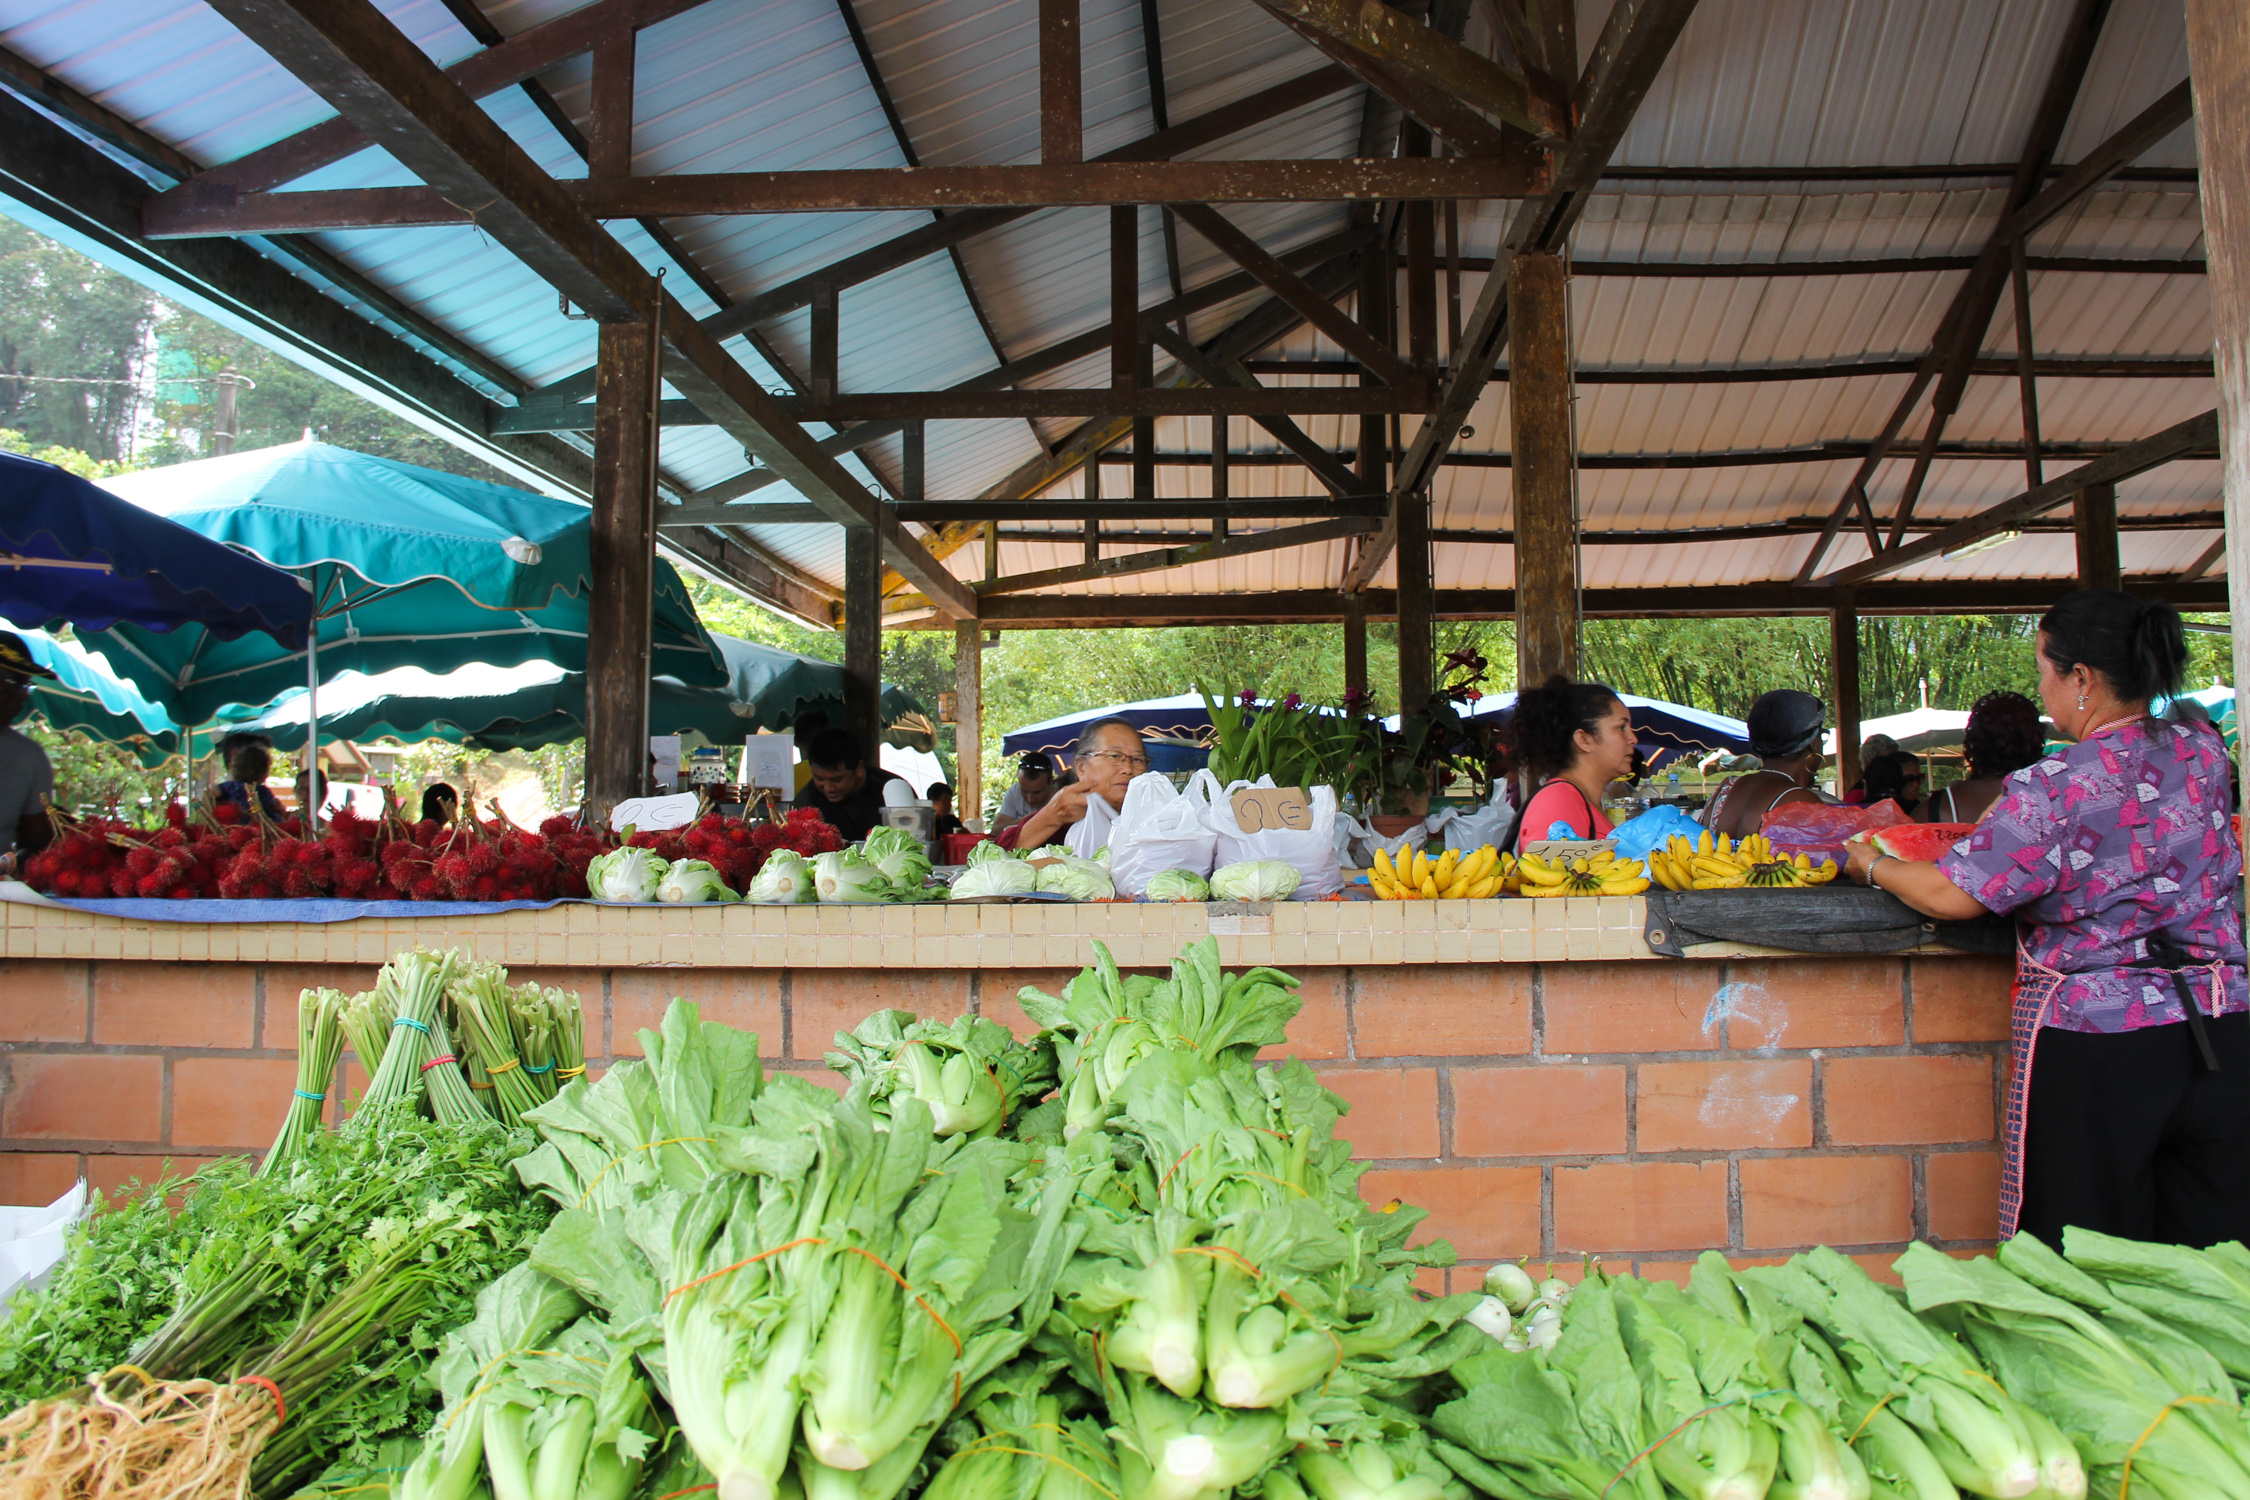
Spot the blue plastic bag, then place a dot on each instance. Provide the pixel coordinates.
(1634, 839)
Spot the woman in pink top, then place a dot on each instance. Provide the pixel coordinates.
(1576, 738)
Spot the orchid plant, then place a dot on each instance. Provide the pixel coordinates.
(1295, 742)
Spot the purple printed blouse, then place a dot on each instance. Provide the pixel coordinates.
(2124, 834)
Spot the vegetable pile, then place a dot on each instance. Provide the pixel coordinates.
(1117, 1259)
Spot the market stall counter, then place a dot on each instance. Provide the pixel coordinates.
(1529, 1070)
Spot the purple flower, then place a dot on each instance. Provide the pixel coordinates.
(1249, 698)
(1292, 701)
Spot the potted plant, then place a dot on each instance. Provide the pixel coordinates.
(1438, 744)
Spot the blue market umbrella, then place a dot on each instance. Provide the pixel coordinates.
(1664, 731)
(779, 685)
(408, 567)
(73, 553)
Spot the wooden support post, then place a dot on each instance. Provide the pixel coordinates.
(913, 480)
(2027, 378)
(1061, 86)
(1416, 601)
(1452, 279)
(1124, 295)
(1375, 283)
(2096, 512)
(863, 640)
(1421, 264)
(823, 372)
(2218, 35)
(1144, 430)
(622, 540)
(991, 550)
(609, 140)
(1221, 437)
(1355, 644)
(1546, 519)
(968, 721)
(1843, 668)
(1093, 539)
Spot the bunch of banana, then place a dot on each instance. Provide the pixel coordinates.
(1715, 862)
(1452, 876)
(1601, 873)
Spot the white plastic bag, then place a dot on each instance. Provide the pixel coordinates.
(1312, 850)
(33, 1240)
(1161, 828)
(1473, 829)
(1356, 842)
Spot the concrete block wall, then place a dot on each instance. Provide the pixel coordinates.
(1640, 1111)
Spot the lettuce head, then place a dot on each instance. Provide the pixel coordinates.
(1256, 880)
(849, 875)
(786, 876)
(625, 875)
(693, 880)
(1079, 879)
(1177, 885)
(995, 877)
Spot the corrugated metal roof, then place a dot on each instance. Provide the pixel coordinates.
(778, 84)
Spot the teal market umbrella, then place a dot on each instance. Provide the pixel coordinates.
(520, 708)
(779, 685)
(85, 696)
(409, 567)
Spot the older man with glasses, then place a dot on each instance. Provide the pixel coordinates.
(1109, 755)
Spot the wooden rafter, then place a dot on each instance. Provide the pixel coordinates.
(2194, 435)
(1634, 43)
(351, 54)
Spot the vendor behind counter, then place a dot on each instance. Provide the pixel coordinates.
(843, 788)
(1109, 755)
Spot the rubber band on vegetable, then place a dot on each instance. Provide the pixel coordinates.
(315, 1098)
(281, 1409)
(476, 1085)
(1221, 1252)
(410, 1021)
(547, 1069)
(695, 1489)
(689, 1286)
(511, 1063)
(573, 1073)
(1634, 1461)
(1048, 1457)
(2125, 1480)
(918, 1302)
(439, 1062)
(1863, 1421)
(676, 1140)
(1184, 1155)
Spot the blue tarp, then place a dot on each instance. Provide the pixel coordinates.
(81, 555)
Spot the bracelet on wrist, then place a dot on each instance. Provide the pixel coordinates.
(1872, 866)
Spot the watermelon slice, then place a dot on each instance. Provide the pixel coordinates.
(1916, 841)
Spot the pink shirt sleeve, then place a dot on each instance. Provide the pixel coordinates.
(1560, 802)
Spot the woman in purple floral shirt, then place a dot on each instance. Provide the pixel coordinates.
(2129, 1110)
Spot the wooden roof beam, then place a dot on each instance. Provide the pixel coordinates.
(1631, 50)
(352, 55)
(1446, 86)
(2192, 436)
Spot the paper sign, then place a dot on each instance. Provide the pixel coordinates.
(767, 760)
(1258, 808)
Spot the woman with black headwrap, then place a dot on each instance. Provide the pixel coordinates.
(1785, 730)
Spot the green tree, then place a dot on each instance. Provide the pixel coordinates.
(71, 337)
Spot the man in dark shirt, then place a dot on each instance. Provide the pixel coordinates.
(843, 789)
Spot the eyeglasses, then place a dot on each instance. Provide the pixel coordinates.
(1131, 760)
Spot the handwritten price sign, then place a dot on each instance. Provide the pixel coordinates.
(1257, 809)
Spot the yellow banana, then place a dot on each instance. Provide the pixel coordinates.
(1382, 863)
(1446, 865)
(1483, 888)
(1429, 889)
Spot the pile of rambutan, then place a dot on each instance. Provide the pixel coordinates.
(235, 854)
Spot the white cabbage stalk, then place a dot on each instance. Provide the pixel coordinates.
(786, 876)
(625, 875)
(1176, 885)
(1492, 1316)
(1512, 1284)
(1256, 880)
(847, 875)
(996, 877)
(1079, 879)
(693, 880)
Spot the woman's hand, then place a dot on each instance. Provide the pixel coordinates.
(1859, 855)
(1918, 883)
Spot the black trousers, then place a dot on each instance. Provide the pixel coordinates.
(2127, 1134)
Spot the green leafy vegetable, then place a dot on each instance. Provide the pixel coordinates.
(693, 880)
(786, 876)
(1177, 885)
(1256, 880)
(626, 874)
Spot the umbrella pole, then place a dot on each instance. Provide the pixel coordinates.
(312, 726)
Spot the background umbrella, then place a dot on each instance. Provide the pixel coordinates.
(73, 553)
(409, 567)
(86, 696)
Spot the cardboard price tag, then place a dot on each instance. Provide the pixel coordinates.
(1257, 809)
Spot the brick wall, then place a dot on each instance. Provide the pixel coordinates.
(1642, 1111)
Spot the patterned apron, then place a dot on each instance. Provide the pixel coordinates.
(2034, 994)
